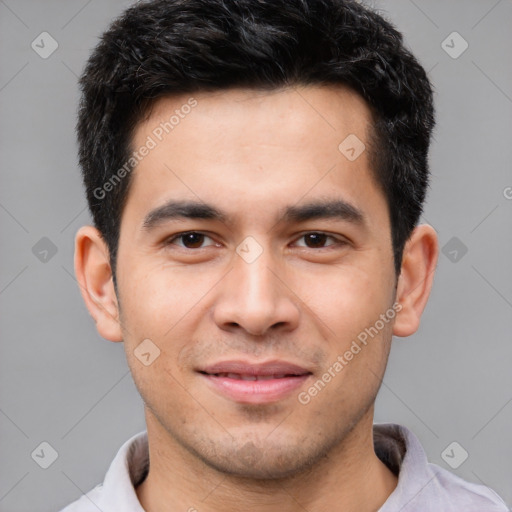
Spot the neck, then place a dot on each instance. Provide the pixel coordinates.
(349, 478)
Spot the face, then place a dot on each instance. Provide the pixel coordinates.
(253, 247)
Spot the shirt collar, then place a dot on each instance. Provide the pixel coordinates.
(395, 445)
(404, 449)
(128, 469)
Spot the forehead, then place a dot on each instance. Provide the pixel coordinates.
(255, 146)
(302, 115)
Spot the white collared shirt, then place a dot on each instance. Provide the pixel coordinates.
(422, 486)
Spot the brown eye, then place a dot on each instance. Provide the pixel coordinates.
(190, 240)
(316, 240)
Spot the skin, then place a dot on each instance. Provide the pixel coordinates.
(251, 154)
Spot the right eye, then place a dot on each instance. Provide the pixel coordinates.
(189, 240)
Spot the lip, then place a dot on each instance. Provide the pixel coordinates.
(240, 380)
(241, 367)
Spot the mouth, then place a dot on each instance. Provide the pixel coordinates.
(239, 376)
(255, 383)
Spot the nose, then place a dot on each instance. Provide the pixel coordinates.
(255, 298)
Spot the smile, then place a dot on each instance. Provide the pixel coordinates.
(255, 389)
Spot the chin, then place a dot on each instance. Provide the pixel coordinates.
(257, 462)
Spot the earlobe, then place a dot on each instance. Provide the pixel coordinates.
(94, 276)
(416, 278)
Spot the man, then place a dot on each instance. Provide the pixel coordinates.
(256, 171)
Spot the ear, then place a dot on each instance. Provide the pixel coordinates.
(94, 275)
(416, 277)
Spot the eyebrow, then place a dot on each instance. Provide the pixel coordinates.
(324, 209)
(335, 209)
(182, 209)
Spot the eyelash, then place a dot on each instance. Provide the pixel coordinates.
(170, 241)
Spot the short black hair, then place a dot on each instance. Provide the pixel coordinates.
(163, 47)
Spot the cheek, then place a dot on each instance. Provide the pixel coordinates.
(154, 298)
(155, 306)
(346, 299)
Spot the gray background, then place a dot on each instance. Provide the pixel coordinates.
(61, 383)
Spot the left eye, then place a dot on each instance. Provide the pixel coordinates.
(190, 240)
(318, 240)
